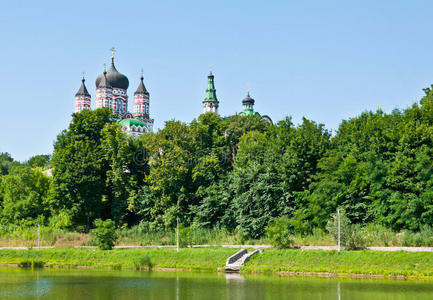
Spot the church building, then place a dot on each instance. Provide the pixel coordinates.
(111, 92)
(211, 103)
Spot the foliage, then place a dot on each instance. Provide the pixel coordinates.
(234, 174)
(350, 234)
(278, 233)
(105, 234)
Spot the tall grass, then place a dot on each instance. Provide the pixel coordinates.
(370, 235)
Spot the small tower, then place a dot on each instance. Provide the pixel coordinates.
(141, 101)
(210, 103)
(104, 92)
(82, 98)
(248, 104)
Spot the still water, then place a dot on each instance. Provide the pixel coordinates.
(90, 284)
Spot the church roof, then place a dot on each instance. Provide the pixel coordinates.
(115, 79)
(210, 91)
(248, 99)
(131, 122)
(141, 90)
(82, 91)
(104, 83)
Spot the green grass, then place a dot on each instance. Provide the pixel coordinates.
(400, 263)
(409, 264)
(206, 259)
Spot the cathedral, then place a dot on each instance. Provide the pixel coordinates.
(111, 92)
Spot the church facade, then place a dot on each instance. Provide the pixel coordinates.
(111, 92)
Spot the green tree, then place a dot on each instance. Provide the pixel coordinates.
(80, 168)
(23, 195)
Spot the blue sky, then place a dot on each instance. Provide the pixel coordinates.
(325, 60)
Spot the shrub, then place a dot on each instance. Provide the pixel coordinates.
(350, 234)
(378, 235)
(141, 262)
(105, 234)
(278, 233)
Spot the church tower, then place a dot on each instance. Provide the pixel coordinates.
(141, 101)
(210, 103)
(141, 105)
(82, 98)
(103, 91)
(248, 104)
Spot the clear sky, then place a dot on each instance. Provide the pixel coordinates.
(325, 60)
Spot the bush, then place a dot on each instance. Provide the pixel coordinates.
(278, 233)
(350, 234)
(105, 234)
(142, 262)
(379, 235)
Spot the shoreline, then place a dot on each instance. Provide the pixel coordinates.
(221, 270)
(367, 264)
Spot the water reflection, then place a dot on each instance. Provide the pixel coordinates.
(88, 284)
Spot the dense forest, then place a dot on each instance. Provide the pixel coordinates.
(236, 173)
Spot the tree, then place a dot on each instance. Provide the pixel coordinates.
(80, 168)
(41, 161)
(23, 195)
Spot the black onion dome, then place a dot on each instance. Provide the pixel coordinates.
(141, 90)
(103, 83)
(82, 91)
(248, 99)
(114, 79)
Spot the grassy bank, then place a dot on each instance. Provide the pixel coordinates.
(346, 263)
(206, 259)
(408, 264)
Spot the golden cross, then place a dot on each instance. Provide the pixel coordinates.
(248, 86)
(112, 52)
(82, 73)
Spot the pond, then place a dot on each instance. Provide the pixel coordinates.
(108, 284)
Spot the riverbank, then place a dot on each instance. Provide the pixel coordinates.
(199, 259)
(364, 263)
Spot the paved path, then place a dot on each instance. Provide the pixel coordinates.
(329, 248)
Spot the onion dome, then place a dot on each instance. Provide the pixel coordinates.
(114, 78)
(82, 91)
(141, 90)
(248, 100)
(103, 83)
